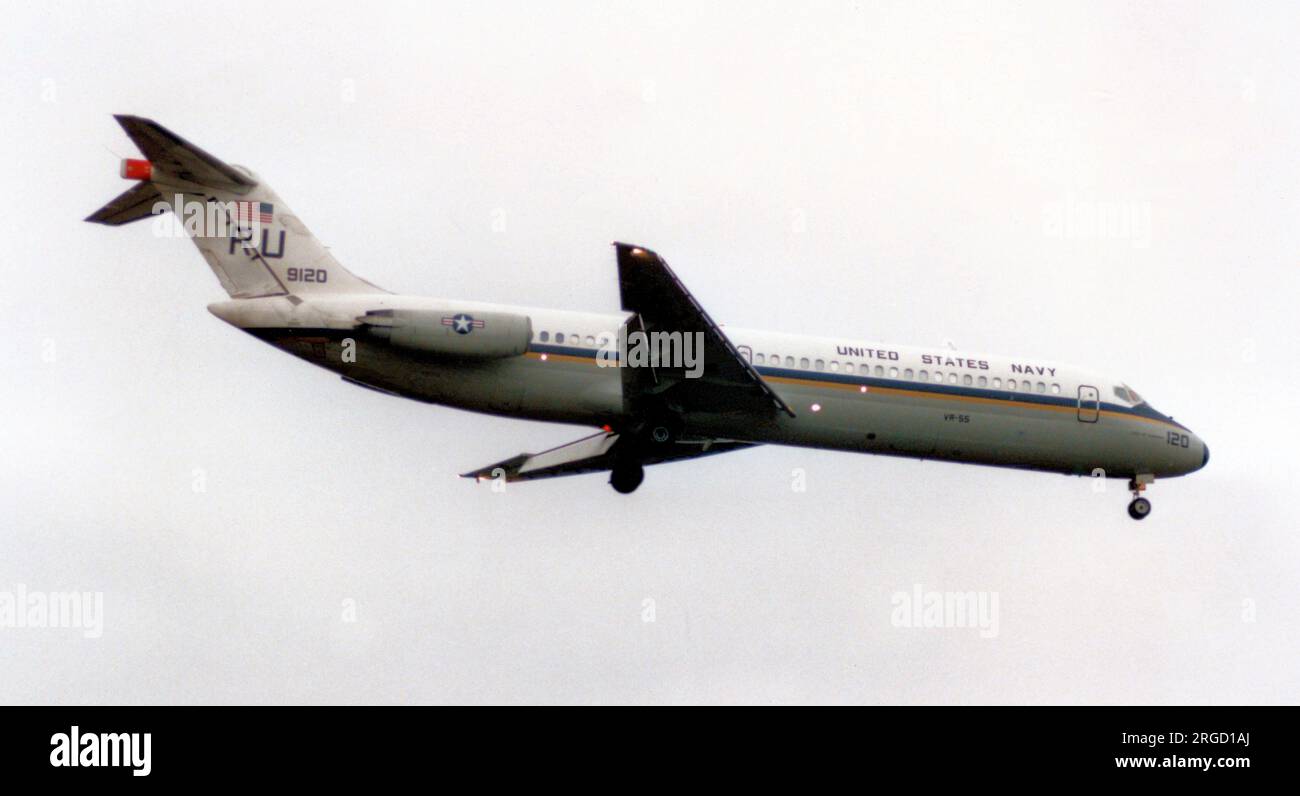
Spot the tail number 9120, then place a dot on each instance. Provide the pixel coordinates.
(318, 275)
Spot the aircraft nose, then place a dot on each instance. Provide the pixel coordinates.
(1192, 464)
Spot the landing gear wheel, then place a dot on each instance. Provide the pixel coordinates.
(661, 435)
(625, 478)
(1139, 508)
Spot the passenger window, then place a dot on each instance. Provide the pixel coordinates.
(984, 381)
(820, 364)
(591, 340)
(1011, 384)
(758, 358)
(559, 337)
(893, 373)
(907, 374)
(1042, 388)
(997, 382)
(880, 371)
(952, 378)
(848, 367)
(924, 375)
(966, 380)
(1056, 389)
(803, 362)
(545, 336)
(789, 362)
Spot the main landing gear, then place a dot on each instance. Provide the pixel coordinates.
(658, 433)
(1140, 507)
(626, 477)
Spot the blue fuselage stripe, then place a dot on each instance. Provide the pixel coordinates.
(1142, 410)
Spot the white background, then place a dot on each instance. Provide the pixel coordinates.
(881, 172)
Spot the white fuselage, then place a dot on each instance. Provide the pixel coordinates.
(847, 394)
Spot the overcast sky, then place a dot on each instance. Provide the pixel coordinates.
(909, 173)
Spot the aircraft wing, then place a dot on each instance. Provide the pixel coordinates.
(592, 454)
(661, 303)
(173, 155)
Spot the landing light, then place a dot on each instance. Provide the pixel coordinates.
(816, 407)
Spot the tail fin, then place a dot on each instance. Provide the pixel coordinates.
(253, 242)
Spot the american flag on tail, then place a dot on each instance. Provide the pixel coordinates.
(254, 213)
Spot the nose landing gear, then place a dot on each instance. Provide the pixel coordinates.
(1140, 507)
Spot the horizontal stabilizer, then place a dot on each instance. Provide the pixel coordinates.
(133, 205)
(177, 158)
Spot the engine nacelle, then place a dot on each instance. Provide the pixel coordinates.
(481, 335)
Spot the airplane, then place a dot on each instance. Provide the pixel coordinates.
(658, 382)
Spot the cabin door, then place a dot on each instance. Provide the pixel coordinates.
(1089, 404)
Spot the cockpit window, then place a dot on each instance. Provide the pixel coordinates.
(1128, 394)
